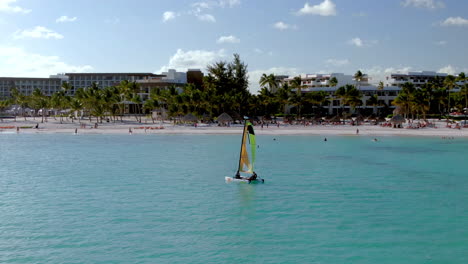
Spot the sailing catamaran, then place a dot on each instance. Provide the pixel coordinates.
(246, 165)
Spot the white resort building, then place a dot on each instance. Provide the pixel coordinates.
(416, 78)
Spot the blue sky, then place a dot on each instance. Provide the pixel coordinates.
(45, 37)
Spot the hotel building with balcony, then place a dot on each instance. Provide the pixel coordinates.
(26, 86)
(321, 82)
(416, 78)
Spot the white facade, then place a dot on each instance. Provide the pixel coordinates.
(313, 81)
(416, 78)
(174, 76)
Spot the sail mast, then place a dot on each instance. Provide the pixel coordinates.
(242, 145)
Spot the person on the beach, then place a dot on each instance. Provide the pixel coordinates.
(76, 130)
(357, 131)
(17, 129)
(37, 126)
(130, 130)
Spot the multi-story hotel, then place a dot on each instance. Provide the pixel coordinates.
(103, 80)
(416, 78)
(26, 86)
(321, 82)
(170, 78)
(311, 81)
(50, 85)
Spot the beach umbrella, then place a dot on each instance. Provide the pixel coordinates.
(224, 118)
(190, 118)
(236, 116)
(398, 120)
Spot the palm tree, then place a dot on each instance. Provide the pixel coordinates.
(464, 88)
(266, 98)
(76, 106)
(282, 96)
(3, 104)
(449, 83)
(151, 105)
(464, 91)
(405, 98)
(270, 81)
(40, 101)
(374, 102)
(349, 95)
(333, 82)
(380, 86)
(421, 102)
(358, 76)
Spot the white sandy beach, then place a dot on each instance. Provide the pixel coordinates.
(147, 127)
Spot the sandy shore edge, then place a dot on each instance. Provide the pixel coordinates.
(54, 126)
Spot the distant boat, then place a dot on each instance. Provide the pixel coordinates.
(246, 165)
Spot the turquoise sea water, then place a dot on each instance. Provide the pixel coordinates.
(163, 199)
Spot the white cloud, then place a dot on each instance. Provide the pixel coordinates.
(356, 42)
(200, 7)
(449, 69)
(17, 62)
(228, 39)
(255, 75)
(326, 8)
(429, 4)
(206, 18)
(280, 25)
(337, 62)
(63, 19)
(7, 7)
(455, 21)
(37, 32)
(441, 43)
(168, 15)
(193, 59)
(378, 73)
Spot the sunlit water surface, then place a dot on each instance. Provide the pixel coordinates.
(163, 199)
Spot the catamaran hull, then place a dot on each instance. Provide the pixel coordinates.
(231, 179)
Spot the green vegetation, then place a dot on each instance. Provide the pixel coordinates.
(225, 89)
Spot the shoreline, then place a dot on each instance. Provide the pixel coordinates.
(54, 127)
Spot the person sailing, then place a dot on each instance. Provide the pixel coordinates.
(251, 178)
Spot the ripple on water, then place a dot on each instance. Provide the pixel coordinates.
(162, 199)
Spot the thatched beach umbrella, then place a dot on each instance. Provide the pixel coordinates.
(397, 120)
(190, 118)
(224, 118)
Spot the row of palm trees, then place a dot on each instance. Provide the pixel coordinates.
(216, 96)
(435, 97)
(109, 102)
